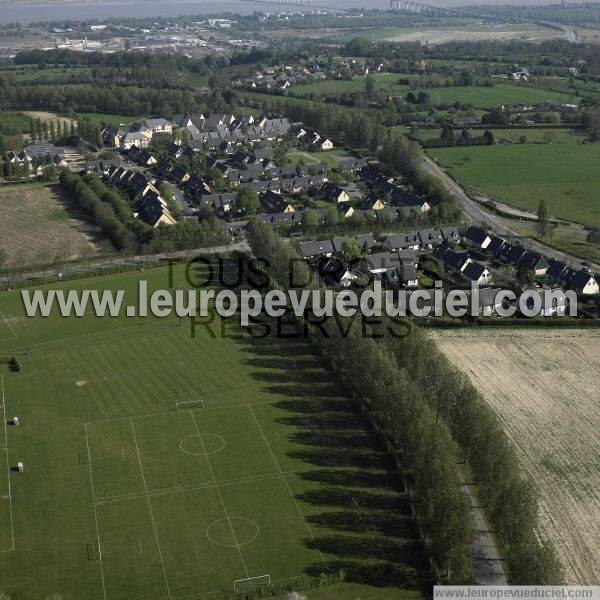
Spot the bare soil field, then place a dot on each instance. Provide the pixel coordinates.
(442, 36)
(47, 116)
(38, 226)
(545, 387)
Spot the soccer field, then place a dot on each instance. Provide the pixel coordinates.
(158, 465)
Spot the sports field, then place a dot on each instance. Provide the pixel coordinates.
(161, 465)
(566, 178)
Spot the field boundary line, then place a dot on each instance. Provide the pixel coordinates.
(159, 550)
(173, 412)
(12, 529)
(220, 495)
(87, 442)
(5, 445)
(286, 483)
(137, 450)
(195, 487)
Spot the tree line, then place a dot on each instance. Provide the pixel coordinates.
(114, 216)
(424, 406)
(423, 447)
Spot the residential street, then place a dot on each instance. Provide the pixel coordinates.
(500, 225)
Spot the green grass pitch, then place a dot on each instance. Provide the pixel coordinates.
(126, 496)
(566, 177)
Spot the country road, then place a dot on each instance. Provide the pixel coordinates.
(499, 225)
(487, 564)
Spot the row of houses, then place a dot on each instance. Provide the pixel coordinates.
(580, 280)
(151, 207)
(388, 189)
(46, 152)
(463, 264)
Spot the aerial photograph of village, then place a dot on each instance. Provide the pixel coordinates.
(299, 300)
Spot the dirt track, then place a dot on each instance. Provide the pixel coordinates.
(545, 386)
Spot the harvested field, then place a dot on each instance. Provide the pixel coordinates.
(545, 387)
(38, 226)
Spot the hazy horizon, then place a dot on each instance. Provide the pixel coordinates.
(30, 11)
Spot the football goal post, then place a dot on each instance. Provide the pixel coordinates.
(189, 404)
(243, 585)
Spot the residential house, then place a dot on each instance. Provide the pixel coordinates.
(532, 261)
(366, 241)
(345, 210)
(476, 273)
(406, 275)
(276, 203)
(584, 282)
(403, 241)
(477, 237)
(451, 235)
(555, 270)
(488, 304)
(430, 238)
(334, 273)
(159, 126)
(316, 248)
(334, 193)
(381, 263)
(494, 248)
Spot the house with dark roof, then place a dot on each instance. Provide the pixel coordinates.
(403, 241)
(349, 163)
(334, 273)
(381, 262)
(451, 235)
(282, 219)
(584, 282)
(477, 237)
(407, 257)
(476, 273)
(532, 261)
(316, 248)
(405, 275)
(276, 203)
(430, 238)
(366, 241)
(495, 246)
(555, 269)
(334, 193)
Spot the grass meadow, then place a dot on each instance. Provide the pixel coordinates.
(267, 469)
(566, 177)
(479, 97)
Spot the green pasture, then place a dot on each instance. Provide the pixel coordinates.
(567, 179)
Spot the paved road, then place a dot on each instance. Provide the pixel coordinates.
(499, 225)
(487, 564)
(111, 263)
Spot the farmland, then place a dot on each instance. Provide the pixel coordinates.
(267, 470)
(544, 387)
(524, 174)
(38, 227)
(479, 96)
